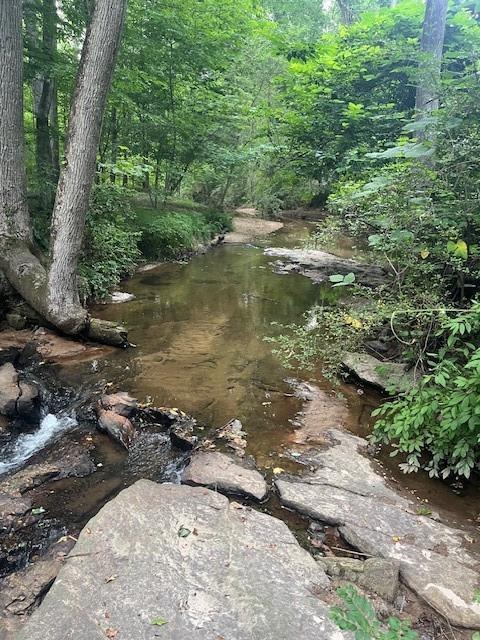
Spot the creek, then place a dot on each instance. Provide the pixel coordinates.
(199, 328)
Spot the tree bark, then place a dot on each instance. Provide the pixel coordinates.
(431, 50)
(14, 217)
(68, 222)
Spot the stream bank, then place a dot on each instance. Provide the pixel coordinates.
(199, 327)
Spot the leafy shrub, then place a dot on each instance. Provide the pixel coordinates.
(173, 235)
(357, 615)
(111, 241)
(438, 421)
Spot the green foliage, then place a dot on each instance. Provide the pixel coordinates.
(326, 334)
(111, 241)
(436, 424)
(357, 615)
(173, 235)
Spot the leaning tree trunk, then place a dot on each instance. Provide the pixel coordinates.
(68, 222)
(431, 50)
(18, 260)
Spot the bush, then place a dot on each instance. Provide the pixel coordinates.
(170, 236)
(358, 615)
(437, 422)
(111, 241)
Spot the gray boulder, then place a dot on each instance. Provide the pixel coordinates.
(382, 375)
(217, 471)
(182, 562)
(319, 265)
(347, 491)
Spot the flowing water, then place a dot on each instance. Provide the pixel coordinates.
(200, 330)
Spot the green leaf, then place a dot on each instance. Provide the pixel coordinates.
(183, 532)
(159, 622)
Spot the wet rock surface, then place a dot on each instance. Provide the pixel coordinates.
(321, 410)
(348, 492)
(380, 374)
(213, 569)
(50, 346)
(118, 427)
(233, 436)
(319, 265)
(22, 592)
(219, 472)
(18, 398)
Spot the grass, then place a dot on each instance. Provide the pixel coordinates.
(170, 234)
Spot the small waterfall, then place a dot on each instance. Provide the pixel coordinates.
(27, 444)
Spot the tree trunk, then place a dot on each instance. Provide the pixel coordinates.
(14, 218)
(431, 49)
(44, 92)
(54, 294)
(68, 223)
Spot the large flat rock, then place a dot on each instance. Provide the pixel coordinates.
(347, 491)
(319, 265)
(209, 568)
(220, 472)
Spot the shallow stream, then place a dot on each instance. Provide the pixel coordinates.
(199, 329)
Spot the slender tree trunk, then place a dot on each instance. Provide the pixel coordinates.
(14, 218)
(431, 50)
(114, 156)
(44, 89)
(68, 223)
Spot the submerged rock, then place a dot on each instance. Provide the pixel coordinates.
(319, 265)
(210, 569)
(234, 437)
(218, 471)
(346, 491)
(383, 375)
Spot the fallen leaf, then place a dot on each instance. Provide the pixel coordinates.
(183, 532)
(38, 511)
(111, 578)
(111, 633)
(278, 470)
(396, 538)
(158, 622)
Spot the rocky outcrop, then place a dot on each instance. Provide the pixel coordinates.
(319, 266)
(379, 374)
(346, 491)
(118, 297)
(219, 472)
(184, 562)
(18, 398)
